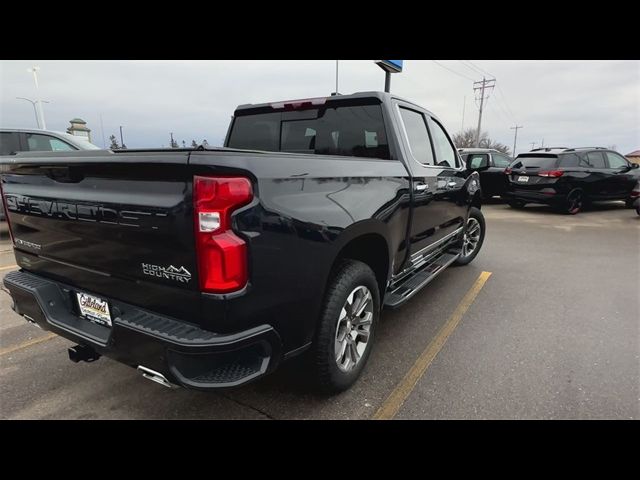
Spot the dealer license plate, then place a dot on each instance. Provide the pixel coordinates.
(94, 308)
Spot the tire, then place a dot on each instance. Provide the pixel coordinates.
(628, 203)
(333, 373)
(574, 203)
(517, 204)
(475, 220)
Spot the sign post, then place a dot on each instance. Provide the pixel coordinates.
(389, 66)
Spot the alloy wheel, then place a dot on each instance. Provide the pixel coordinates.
(354, 328)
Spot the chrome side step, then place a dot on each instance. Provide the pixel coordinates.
(155, 377)
(417, 281)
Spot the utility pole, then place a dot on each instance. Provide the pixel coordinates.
(171, 139)
(515, 138)
(104, 144)
(337, 76)
(121, 140)
(482, 86)
(464, 104)
(34, 70)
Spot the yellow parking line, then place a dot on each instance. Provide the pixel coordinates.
(394, 401)
(29, 343)
(7, 267)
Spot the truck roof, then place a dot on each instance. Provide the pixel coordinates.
(384, 97)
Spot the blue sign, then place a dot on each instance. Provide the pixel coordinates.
(393, 66)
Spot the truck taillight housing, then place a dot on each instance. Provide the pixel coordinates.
(222, 255)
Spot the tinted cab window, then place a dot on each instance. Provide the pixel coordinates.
(446, 155)
(9, 143)
(418, 135)
(351, 130)
(501, 161)
(477, 160)
(594, 160)
(616, 161)
(45, 143)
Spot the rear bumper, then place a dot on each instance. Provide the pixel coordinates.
(535, 196)
(184, 353)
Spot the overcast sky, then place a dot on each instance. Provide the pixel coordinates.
(564, 103)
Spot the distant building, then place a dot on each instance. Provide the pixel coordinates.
(634, 156)
(79, 128)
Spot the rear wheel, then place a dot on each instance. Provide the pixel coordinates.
(574, 202)
(519, 204)
(473, 237)
(347, 326)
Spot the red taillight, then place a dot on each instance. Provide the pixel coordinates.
(222, 255)
(507, 171)
(6, 212)
(295, 104)
(551, 173)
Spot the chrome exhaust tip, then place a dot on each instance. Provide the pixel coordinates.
(155, 377)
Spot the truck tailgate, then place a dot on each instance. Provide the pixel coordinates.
(113, 224)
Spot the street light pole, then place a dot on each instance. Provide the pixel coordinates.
(121, 140)
(34, 70)
(35, 111)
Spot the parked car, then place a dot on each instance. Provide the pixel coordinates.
(28, 140)
(635, 197)
(490, 164)
(568, 178)
(208, 267)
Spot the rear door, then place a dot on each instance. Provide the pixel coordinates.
(598, 182)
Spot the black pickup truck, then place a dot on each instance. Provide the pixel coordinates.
(206, 268)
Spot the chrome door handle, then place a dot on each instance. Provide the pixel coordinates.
(420, 187)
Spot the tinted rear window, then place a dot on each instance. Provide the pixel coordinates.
(569, 160)
(351, 130)
(535, 162)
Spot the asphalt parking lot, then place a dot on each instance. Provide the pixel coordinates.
(553, 333)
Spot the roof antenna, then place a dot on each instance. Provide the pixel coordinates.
(336, 92)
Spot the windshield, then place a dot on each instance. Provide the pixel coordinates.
(340, 129)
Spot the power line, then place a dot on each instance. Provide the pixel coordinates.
(484, 72)
(474, 70)
(504, 99)
(452, 71)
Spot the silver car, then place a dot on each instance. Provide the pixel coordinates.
(14, 140)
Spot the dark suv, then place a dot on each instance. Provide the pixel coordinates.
(567, 178)
(490, 164)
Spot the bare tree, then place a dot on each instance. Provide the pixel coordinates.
(467, 139)
(194, 144)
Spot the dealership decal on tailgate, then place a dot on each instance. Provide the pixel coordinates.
(94, 308)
